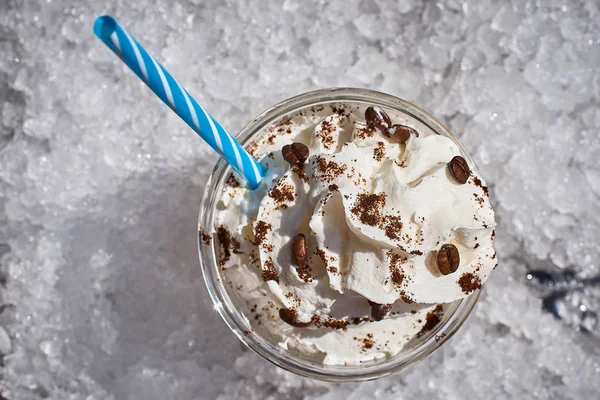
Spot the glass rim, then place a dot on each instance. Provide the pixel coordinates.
(459, 310)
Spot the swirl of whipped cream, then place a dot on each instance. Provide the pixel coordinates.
(374, 213)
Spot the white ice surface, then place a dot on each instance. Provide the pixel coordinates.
(100, 186)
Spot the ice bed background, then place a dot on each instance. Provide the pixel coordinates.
(101, 291)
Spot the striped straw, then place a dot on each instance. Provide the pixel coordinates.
(172, 94)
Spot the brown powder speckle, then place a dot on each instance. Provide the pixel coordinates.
(366, 132)
(329, 169)
(325, 133)
(252, 147)
(379, 151)
(282, 192)
(469, 282)
(260, 232)
(304, 274)
(227, 243)
(330, 322)
(269, 272)
(396, 273)
(397, 277)
(392, 225)
(339, 110)
(407, 299)
(367, 342)
(322, 255)
(205, 237)
(432, 318)
(232, 181)
(367, 208)
(478, 183)
(299, 170)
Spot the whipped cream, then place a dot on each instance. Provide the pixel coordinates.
(374, 213)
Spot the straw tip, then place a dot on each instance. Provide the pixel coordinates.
(104, 26)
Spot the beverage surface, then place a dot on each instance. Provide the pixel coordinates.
(366, 229)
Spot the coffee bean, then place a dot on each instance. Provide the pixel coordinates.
(448, 259)
(290, 317)
(459, 169)
(295, 153)
(379, 311)
(401, 133)
(299, 250)
(377, 119)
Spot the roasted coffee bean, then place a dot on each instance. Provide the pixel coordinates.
(379, 311)
(299, 250)
(295, 153)
(459, 169)
(377, 119)
(401, 133)
(290, 317)
(448, 259)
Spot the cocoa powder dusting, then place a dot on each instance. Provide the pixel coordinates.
(392, 225)
(299, 170)
(232, 181)
(260, 232)
(485, 189)
(333, 323)
(379, 151)
(367, 342)
(329, 169)
(407, 299)
(282, 192)
(396, 261)
(304, 274)
(325, 134)
(367, 208)
(432, 318)
(363, 133)
(322, 255)
(227, 243)
(269, 272)
(469, 282)
(205, 237)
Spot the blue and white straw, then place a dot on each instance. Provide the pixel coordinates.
(172, 94)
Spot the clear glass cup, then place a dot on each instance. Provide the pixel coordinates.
(453, 318)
